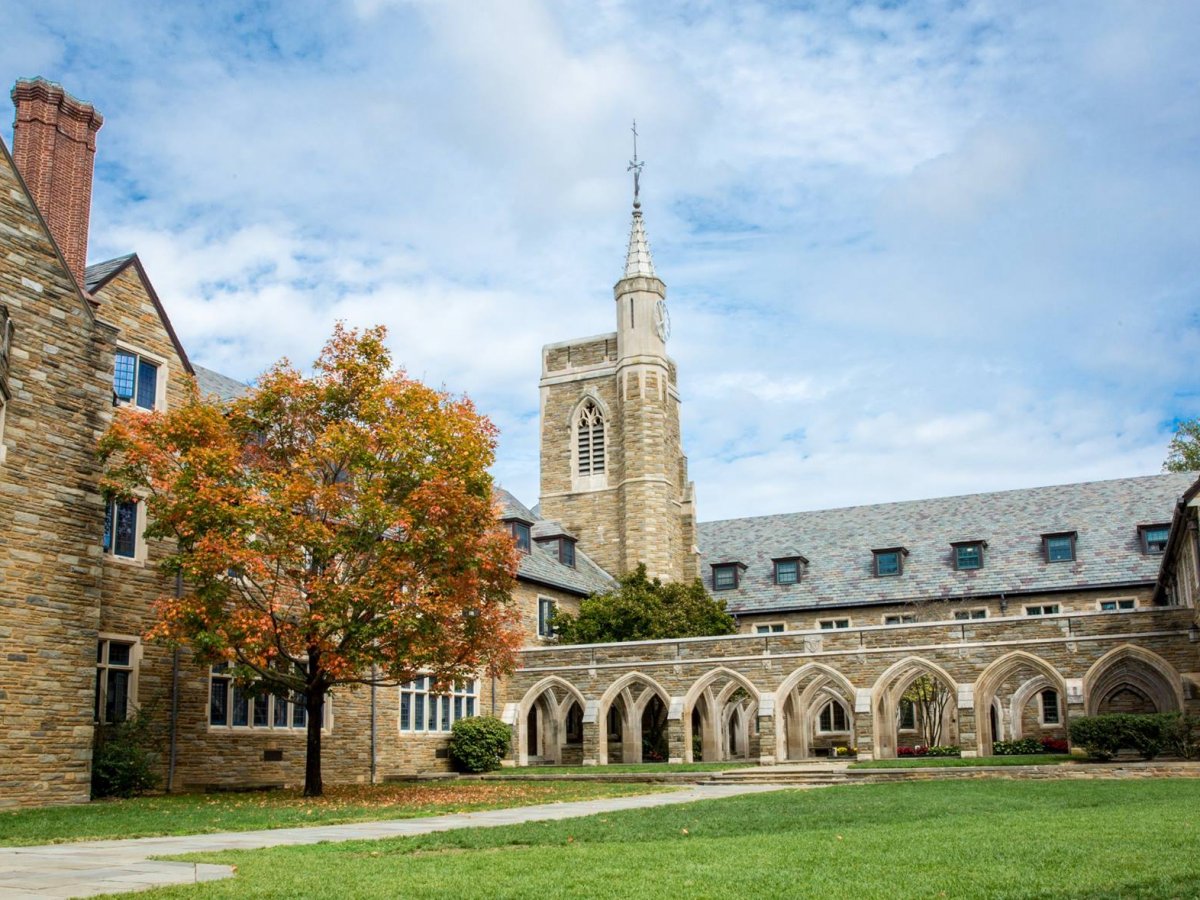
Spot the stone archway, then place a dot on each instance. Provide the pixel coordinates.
(1132, 679)
(705, 714)
(1003, 693)
(801, 701)
(892, 728)
(541, 726)
(627, 697)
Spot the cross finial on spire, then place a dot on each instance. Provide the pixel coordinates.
(636, 168)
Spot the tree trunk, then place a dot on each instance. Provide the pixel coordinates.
(314, 704)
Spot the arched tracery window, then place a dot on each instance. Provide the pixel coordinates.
(589, 432)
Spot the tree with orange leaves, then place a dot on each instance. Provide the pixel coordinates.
(334, 529)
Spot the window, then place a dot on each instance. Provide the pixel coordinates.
(1050, 707)
(234, 705)
(1154, 537)
(566, 552)
(788, 570)
(614, 723)
(771, 628)
(968, 555)
(834, 718)
(829, 624)
(546, 609)
(575, 724)
(421, 709)
(1047, 609)
(589, 433)
(1118, 604)
(1059, 547)
(965, 614)
(900, 619)
(135, 380)
(115, 686)
(889, 562)
(121, 528)
(908, 716)
(725, 576)
(521, 534)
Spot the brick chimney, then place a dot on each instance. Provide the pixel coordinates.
(54, 144)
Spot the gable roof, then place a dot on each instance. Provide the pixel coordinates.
(838, 544)
(541, 564)
(214, 384)
(97, 275)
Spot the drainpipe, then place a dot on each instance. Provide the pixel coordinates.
(373, 729)
(493, 695)
(174, 727)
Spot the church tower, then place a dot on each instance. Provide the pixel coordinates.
(612, 463)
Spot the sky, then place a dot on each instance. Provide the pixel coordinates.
(911, 249)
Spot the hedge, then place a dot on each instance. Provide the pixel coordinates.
(479, 743)
(1102, 737)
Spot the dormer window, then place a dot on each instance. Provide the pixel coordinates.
(521, 534)
(136, 381)
(1059, 546)
(968, 555)
(726, 576)
(788, 569)
(561, 546)
(889, 561)
(1154, 537)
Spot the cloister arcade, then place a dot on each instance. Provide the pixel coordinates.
(774, 700)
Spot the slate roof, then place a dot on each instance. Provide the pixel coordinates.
(98, 273)
(214, 384)
(541, 565)
(838, 545)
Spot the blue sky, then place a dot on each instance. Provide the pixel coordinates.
(911, 249)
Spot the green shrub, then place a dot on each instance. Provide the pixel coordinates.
(1021, 747)
(124, 759)
(1102, 737)
(479, 743)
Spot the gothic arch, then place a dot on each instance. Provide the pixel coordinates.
(797, 714)
(1138, 668)
(632, 710)
(542, 717)
(988, 684)
(700, 699)
(886, 695)
(589, 442)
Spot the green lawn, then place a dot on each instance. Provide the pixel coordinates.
(175, 814)
(625, 769)
(1057, 839)
(928, 762)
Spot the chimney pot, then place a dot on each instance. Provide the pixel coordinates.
(54, 147)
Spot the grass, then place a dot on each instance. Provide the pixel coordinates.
(988, 838)
(176, 814)
(933, 762)
(626, 769)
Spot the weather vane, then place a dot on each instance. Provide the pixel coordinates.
(636, 168)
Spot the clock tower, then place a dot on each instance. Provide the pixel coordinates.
(613, 469)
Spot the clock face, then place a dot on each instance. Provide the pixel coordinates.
(662, 320)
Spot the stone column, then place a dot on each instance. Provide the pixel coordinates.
(591, 735)
(677, 733)
(864, 737)
(968, 732)
(766, 731)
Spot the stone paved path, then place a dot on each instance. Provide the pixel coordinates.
(100, 867)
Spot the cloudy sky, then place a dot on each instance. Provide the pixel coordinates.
(911, 249)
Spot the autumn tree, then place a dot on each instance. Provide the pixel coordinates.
(642, 609)
(333, 529)
(1183, 453)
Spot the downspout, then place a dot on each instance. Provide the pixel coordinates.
(493, 695)
(373, 688)
(174, 726)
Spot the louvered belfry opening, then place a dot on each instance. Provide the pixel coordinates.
(590, 433)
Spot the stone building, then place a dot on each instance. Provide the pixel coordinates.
(1024, 608)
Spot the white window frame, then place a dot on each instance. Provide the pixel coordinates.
(832, 624)
(544, 631)
(272, 700)
(1041, 702)
(905, 618)
(1043, 609)
(1130, 603)
(421, 687)
(139, 545)
(104, 641)
(769, 627)
(160, 384)
(821, 729)
(965, 615)
(900, 726)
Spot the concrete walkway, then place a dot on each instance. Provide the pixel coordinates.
(102, 867)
